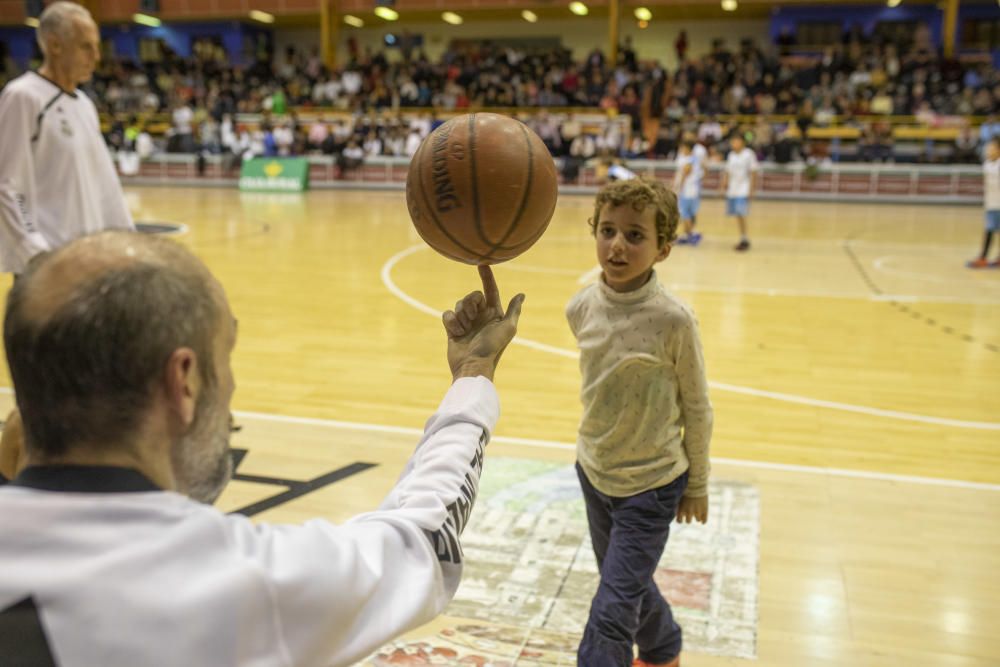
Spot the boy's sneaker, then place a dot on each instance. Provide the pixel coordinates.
(676, 662)
(694, 239)
(980, 263)
(684, 240)
(742, 246)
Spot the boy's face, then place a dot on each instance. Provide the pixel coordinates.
(627, 247)
(738, 144)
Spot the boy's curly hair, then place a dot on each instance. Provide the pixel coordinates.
(640, 193)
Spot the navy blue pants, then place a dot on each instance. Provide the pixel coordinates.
(629, 535)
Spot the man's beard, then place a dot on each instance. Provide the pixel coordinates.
(201, 458)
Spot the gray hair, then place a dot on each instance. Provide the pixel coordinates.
(57, 21)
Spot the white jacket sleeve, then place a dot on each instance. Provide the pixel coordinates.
(340, 592)
(19, 236)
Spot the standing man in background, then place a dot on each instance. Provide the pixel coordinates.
(57, 181)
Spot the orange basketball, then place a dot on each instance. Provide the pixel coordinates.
(481, 188)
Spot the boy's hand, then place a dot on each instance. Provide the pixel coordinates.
(693, 509)
(479, 330)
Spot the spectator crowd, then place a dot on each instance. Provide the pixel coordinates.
(860, 83)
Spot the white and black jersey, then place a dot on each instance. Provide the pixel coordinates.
(57, 181)
(99, 567)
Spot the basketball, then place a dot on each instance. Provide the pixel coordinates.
(481, 188)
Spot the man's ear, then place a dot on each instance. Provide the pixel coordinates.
(182, 384)
(53, 46)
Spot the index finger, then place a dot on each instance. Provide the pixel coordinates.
(490, 288)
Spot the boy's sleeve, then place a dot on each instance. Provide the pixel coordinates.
(696, 408)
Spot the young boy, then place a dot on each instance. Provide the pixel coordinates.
(991, 200)
(739, 180)
(687, 184)
(642, 450)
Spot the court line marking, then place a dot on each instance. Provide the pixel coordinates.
(592, 274)
(531, 268)
(181, 230)
(883, 264)
(565, 446)
(807, 294)
(387, 280)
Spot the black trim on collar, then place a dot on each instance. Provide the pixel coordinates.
(70, 93)
(84, 479)
(41, 116)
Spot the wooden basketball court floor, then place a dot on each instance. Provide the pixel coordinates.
(855, 368)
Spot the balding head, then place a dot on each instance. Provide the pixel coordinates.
(54, 278)
(89, 328)
(59, 21)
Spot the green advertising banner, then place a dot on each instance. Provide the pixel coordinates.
(269, 174)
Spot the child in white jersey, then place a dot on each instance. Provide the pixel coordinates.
(642, 450)
(739, 180)
(991, 201)
(687, 185)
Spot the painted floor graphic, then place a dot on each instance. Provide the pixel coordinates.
(531, 573)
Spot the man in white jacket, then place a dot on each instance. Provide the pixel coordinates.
(57, 180)
(119, 347)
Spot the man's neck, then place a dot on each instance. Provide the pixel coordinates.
(156, 470)
(66, 83)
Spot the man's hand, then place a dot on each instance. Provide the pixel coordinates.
(479, 330)
(693, 509)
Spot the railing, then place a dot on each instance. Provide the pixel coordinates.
(903, 127)
(311, 113)
(918, 183)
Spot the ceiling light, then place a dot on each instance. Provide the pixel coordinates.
(386, 13)
(263, 17)
(350, 19)
(452, 18)
(643, 14)
(31, 21)
(578, 8)
(532, 17)
(894, 3)
(145, 19)
(729, 5)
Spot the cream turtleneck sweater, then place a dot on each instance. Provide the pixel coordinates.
(646, 413)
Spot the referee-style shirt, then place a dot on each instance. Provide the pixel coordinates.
(57, 181)
(98, 567)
